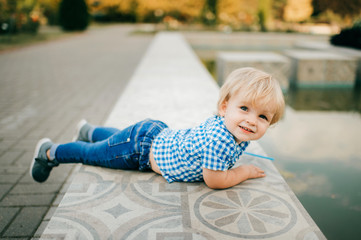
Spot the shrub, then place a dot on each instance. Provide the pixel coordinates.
(209, 13)
(348, 37)
(114, 14)
(31, 26)
(73, 15)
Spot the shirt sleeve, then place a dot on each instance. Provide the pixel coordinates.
(216, 156)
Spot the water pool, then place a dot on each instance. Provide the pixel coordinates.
(317, 149)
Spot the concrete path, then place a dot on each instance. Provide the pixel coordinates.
(44, 91)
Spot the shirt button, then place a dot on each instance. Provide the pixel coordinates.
(128, 139)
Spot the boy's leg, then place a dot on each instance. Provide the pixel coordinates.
(98, 134)
(81, 132)
(115, 151)
(119, 150)
(86, 132)
(95, 154)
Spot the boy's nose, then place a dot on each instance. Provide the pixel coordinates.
(251, 120)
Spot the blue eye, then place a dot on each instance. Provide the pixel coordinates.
(263, 117)
(244, 108)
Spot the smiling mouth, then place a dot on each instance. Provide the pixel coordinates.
(247, 130)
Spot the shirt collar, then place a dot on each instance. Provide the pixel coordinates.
(220, 120)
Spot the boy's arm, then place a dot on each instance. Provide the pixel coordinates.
(225, 179)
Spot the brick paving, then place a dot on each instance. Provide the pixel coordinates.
(45, 90)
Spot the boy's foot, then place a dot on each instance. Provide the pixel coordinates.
(40, 166)
(81, 132)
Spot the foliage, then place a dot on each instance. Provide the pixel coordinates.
(230, 14)
(349, 37)
(187, 10)
(239, 15)
(113, 14)
(19, 16)
(50, 10)
(264, 12)
(341, 13)
(73, 15)
(349, 8)
(278, 7)
(31, 26)
(27, 15)
(209, 12)
(146, 11)
(113, 10)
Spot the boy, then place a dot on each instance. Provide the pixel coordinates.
(250, 101)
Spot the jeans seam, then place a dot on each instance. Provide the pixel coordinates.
(123, 141)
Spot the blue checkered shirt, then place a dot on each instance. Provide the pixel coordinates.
(181, 154)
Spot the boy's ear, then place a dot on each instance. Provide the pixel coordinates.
(223, 108)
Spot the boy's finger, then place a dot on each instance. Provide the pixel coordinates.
(259, 169)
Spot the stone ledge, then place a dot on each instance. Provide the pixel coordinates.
(172, 85)
(326, 46)
(315, 68)
(273, 63)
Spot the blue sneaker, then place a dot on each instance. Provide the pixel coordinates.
(81, 132)
(40, 166)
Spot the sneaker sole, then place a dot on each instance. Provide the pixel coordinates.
(36, 153)
(77, 131)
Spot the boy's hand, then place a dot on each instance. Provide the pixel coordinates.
(232, 177)
(253, 171)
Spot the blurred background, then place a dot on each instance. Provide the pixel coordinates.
(315, 16)
(316, 146)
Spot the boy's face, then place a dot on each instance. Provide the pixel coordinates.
(244, 120)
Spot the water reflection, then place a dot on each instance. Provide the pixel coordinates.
(317, 149)
(317, 136)
(344, 99)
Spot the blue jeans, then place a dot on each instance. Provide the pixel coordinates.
(113, 148)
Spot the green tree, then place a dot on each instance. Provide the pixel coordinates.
(73, 15)
(209, 13)
(264, 13)
(348, 37)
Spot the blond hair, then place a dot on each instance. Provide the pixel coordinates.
(255, 85)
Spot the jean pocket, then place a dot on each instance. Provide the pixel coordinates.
(121, 137)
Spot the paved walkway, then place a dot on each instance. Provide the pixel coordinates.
(44, 91)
